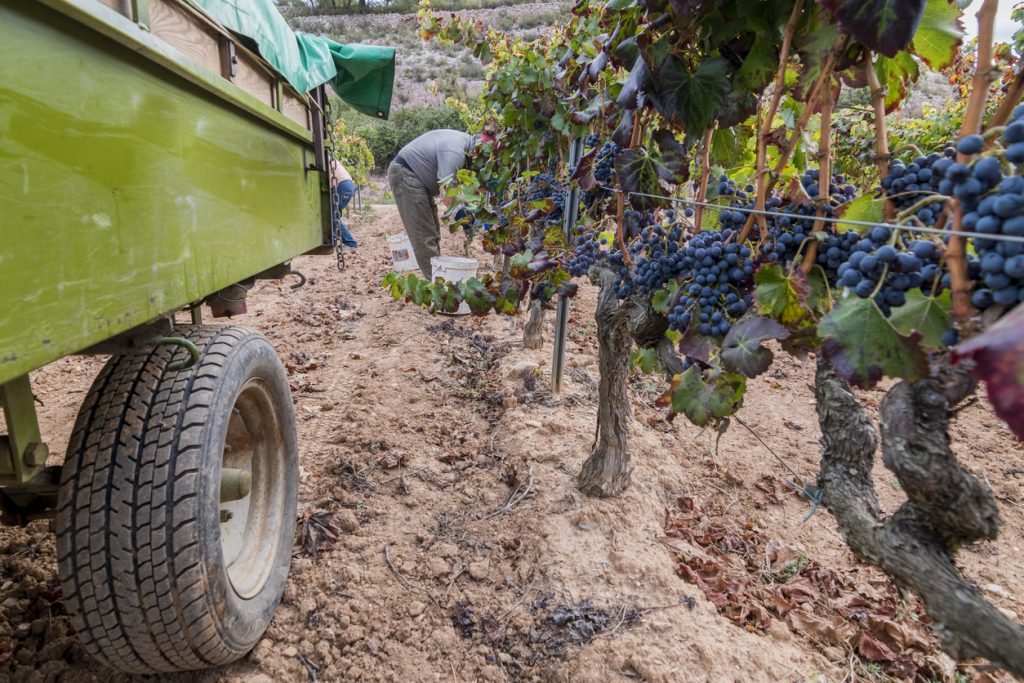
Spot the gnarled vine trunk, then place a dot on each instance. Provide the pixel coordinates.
(648, 327)
(532, 333)
(607, 471)
(946, 506)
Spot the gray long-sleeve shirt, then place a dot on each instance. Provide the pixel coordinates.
(436, 155)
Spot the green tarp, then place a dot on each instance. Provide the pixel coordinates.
(362, 75)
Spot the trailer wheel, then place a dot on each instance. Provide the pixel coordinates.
(167, 563)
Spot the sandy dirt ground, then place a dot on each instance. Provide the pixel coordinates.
(465, 553)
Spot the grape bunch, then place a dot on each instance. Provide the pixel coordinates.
(544, 186)
(993, 204)
(740, 201)
(791, 226)
(906, 184)
(592, 246)
(604, 163)
(591, 140)
(717, 274)
(657, 255)
(887, 267)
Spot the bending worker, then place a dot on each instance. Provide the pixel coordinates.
(415, 177)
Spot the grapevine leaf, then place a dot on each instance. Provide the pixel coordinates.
(445, 297)
(638, 81)
(638, 173)
(999, 357)
(672, 163)
(863, 346)
(419, 291)
(507, 300)
(778, 296)
(924, 314)
(727, 147)
(646, 360)
(884, 26)
(476, 296)
(866, 208)
(743, 351)
(758, 66)
(395, 284)
(895, 74)
(736, 107)
(519, 265)
(623, 133)
(660, 301)
(703, 401)
(939, 34)
(687, 98)
(697, 346)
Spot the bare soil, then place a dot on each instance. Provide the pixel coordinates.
(433, 448)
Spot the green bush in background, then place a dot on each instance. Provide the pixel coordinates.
(385, 138)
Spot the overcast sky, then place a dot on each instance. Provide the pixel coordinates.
(1005, 27)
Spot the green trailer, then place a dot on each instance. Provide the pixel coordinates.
(156, 156)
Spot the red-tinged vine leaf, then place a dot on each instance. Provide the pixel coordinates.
(703, 401)
(926, 315)
(795, 193)
(697, 346)
(476, 296)
(519, 264)
(507, 301)
(863, 346)
(998, 354)
(939, 34)
(594, 109)
(445, 297)
(672, 163)
(781, 297)
(743, 351)
(884, 26)
(691, 98)
(584, 171)
(638, 173)
(623, 133)
(638, 81)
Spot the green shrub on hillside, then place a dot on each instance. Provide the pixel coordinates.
(385, 138)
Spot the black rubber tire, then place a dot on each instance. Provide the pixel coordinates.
(138, 519)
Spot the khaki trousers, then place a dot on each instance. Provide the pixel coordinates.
(419, 215)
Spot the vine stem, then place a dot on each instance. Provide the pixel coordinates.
(824, 172)
(768, 117)
(956, 252)
(705, 175)
(1010, 101)
(882, 155)
(798, 130)
(620, 210)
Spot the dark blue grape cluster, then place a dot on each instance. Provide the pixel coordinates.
(589, 249)
(907, 184)
(790, 226)
(591, 141)
(994, 205)
(715, 285)
(887, 267)
(604, 163)
(740, 201)
(657, 255)
(544, 186)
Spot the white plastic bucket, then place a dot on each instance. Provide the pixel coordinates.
(402, 255)
(454, 269)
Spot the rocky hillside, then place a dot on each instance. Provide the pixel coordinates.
(428, 72)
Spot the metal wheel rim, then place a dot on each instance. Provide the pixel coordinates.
(250, 535)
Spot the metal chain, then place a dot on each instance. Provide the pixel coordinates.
(330, 146)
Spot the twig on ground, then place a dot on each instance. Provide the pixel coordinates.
(517, 496)
(408, 584)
